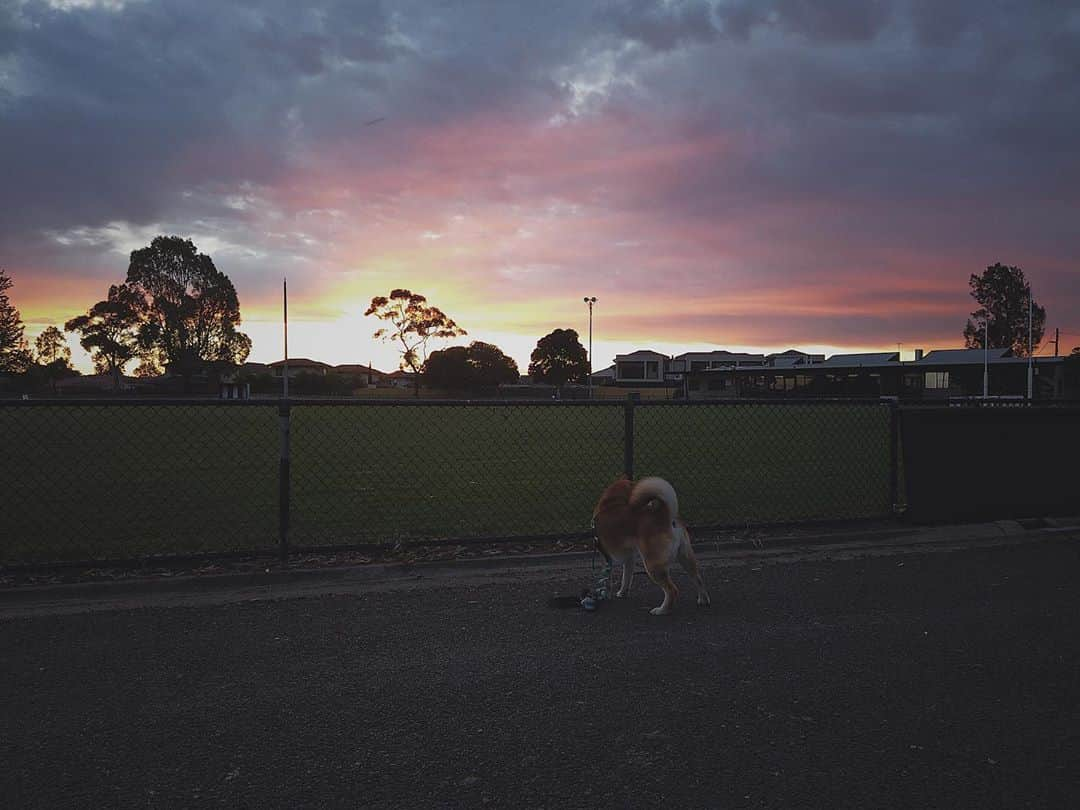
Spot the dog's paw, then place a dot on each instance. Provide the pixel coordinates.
(660, 611)
(703, 600)
(620, 594)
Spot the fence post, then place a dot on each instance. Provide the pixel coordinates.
(284, 479)
(894, 454)
(628, 437)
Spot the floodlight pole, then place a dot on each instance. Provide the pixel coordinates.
(285, 314)
(590, 301)
(284, 419)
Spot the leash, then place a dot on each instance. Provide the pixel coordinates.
(591, 599)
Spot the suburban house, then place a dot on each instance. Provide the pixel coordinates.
(299, 365)
(645, 367)
(361, 372)
(96, 384)
(945, 373)
(642, 367)
(939, 375)
(401, 379)
(605, 376)
(792, 358)
(252, 368)
(718, 358)
(233, 388)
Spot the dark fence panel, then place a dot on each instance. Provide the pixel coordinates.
(987, 463)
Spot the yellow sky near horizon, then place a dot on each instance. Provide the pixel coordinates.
(348, 339)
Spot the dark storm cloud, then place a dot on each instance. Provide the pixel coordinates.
(834, 21)
(112, 112)
(8, 26)
(884, 121)
(662, 27)
(109, 111)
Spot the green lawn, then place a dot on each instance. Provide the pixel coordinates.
(120, 481)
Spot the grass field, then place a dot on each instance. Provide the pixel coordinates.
(101, 481)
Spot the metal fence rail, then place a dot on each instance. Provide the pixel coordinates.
(96, 479)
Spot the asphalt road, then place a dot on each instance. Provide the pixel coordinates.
(922, 680)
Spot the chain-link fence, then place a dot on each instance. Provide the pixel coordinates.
(106, 480)
(134, 478)
(735, 464)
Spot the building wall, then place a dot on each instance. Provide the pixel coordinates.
(647, 369)
(910, 382)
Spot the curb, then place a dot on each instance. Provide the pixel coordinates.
(706, 550)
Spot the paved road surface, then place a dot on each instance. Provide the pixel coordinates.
(940, 679)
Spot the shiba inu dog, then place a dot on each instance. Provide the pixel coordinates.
(643, 516)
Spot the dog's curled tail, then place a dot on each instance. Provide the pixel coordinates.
(655, 493)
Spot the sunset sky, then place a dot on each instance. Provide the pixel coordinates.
(729, 174)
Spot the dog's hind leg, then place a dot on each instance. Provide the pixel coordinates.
(662, 577)
(627, 574)
(690, 564)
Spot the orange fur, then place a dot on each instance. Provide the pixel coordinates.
(640, 517)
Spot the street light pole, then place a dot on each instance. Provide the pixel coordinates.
(590, 301)
(285, 320)
(986, 356)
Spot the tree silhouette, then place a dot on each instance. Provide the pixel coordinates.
(147, 368)
(53, 356)
(412, 323)
(14, 355)
(559, 358)
(491, 366)
(109, 331)
(187, 308)
(1002, 293)
(476, 366)
(51, 347)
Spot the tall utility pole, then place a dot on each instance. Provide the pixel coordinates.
(285, 313)
(1057, 336)
(986, 356)
(590, 301)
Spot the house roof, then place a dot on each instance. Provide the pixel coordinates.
(961, 356)
(300, 362)
(732, 369)
(943, 357)
(640, 353)
(791, 358)
(358, 368)
(865, 359)
(399, 374)
(722, 354)
(1038, 361)
(606, 372)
